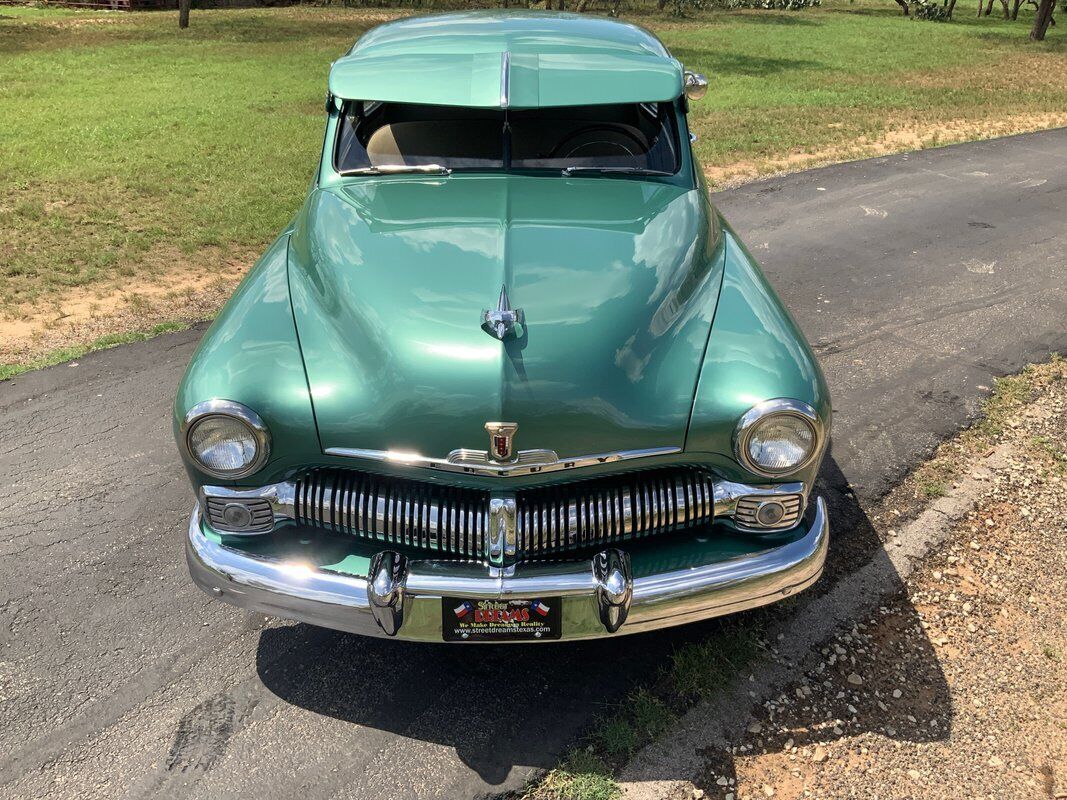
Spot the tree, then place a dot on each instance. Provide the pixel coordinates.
(1042, 19)
(183, 13)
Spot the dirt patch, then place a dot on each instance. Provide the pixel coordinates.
(186, 294)
(1022, 73)
(917, 135)
(77, 265)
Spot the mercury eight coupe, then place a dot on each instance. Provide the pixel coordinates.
(507, 375)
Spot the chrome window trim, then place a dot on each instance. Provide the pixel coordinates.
(524, 464)
(779, 407)
(233, 410)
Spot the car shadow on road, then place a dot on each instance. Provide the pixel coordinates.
(502, 708)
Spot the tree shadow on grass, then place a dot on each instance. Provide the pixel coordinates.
(764, 17)
(503, 708)
(725, 63)
(220, 27)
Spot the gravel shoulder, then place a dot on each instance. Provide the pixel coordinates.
(952, 685)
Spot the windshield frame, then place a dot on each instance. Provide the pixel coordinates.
(675, 119)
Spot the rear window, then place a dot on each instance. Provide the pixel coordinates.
(638, 137)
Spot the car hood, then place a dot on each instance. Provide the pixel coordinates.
(618, 280)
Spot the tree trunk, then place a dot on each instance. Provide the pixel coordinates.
(904, 5)
(951, 5)
(1007, 12)
(988, 7)
(661, 4)
(1041, 20)
(183, 13)
(1015, 9)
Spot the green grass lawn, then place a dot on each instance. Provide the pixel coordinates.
(130, 149)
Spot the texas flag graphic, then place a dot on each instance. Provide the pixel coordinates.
(463, 609)
(540, 608)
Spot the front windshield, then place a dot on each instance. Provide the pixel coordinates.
(639, 138)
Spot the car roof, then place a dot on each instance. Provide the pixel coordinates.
(508, 59)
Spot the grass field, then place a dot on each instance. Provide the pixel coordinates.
(142, 168)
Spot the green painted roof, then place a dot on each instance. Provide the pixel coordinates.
(516, 59)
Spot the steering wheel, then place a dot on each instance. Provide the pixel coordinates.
(599, 141)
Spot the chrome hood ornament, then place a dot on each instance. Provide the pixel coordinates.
(505, 320)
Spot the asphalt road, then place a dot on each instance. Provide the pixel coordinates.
(918, 278)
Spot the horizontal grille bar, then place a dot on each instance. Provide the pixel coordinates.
(548, 519)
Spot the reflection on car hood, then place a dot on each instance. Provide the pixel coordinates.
(618, 280)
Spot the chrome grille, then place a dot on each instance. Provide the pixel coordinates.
(548, 519)
(408, 513)
(599, 512)
(745, 515)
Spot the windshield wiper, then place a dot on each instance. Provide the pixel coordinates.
(400, 169)
(568, 171)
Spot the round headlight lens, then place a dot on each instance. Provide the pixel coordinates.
(226, 439)
(780, 443)
(777, 437)
(223, 444)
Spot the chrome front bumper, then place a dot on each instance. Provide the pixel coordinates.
(402, 597)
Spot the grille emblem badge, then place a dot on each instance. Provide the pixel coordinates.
(501, 440)
(505, 320)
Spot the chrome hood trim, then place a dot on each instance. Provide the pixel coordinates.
(529, 462)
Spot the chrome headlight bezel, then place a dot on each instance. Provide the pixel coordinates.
(767, 410)
(234, 411)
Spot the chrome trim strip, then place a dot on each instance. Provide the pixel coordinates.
(303, 592)
(502, 525)
(505, 78)
(515, 470)
(464, 455)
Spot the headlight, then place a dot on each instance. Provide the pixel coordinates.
(226, 439)
(777, 437)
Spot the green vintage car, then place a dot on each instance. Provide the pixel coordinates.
(507, 375)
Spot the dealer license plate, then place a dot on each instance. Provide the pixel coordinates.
(464, 620)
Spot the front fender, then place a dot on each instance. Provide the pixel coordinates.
(251, 355)
(755, 352)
